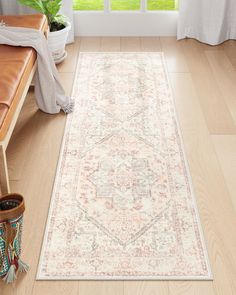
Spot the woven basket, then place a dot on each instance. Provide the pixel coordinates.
(11, 219)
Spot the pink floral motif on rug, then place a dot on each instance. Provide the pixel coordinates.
(123, 205)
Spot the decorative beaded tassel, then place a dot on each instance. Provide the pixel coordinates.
(15, 262)
(22, 266)
(11, 275)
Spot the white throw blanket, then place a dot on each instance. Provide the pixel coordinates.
(49, 93)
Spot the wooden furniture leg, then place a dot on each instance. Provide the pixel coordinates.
(4, 179)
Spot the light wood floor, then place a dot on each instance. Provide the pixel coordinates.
(204, 86)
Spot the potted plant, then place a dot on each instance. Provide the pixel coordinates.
(59, 27)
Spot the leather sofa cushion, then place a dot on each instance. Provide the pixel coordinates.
(13, 62)
(15, 67)
(34, 21)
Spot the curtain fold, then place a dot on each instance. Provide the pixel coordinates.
(12, 7)
(209, 21)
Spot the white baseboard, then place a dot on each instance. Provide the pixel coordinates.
(125, 23)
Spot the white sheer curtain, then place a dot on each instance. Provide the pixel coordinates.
(12, 7)
(209, 21)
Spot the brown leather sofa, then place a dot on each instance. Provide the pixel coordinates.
(17, 68)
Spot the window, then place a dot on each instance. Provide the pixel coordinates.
(131, 5)
(125, 17)
(162, 4)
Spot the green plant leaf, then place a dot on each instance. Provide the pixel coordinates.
(53, 8)
(60, 18)
(50, 8)
(35, 4)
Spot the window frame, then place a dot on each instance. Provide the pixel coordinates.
(141, 22)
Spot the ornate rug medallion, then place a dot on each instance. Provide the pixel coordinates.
(123, 206)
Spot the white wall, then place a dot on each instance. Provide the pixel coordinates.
(125, 23)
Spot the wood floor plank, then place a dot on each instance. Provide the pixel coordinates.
(110, 44)
(181, 288)
(213, 200)
(150, 44)
(146, 288)
(195, 56)
(56, 287)
(174, 55)
(90, 44)
(216, 111)
(229, 48)
(191, 288)
(101, 288)
(130, 44)
(225, 76)
(22, 132)
(225, 146)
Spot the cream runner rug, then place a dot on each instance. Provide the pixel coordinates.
(123, 205)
